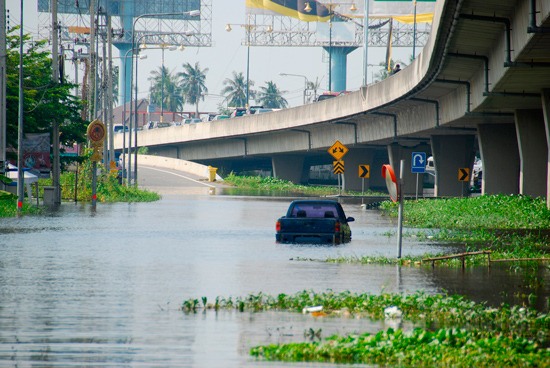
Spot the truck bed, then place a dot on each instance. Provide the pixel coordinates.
(313, 221)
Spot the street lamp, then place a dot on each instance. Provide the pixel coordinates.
(248, 27)
(171, 48)
(298, 75)
(192, 13)
(330, 7)
(163, 46)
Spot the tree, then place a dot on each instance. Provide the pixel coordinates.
(235, 90)
(44, 101)
(192, 83)
(385, 71)
(270, 96)
(164, 90)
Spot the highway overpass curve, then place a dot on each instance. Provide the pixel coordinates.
(484, 62)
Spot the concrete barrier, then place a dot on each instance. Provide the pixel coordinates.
(176, 164)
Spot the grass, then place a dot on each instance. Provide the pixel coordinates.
(271, 184)
(494, 212)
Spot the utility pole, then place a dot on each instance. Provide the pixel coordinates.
(3, 64)
(20, 184)
(104, 97)
(56, 169)
(110, 91)
(92, 61)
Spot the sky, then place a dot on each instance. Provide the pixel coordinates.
(227, 55)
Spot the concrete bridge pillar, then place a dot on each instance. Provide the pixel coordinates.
(289, 167)
(499, 152)
(352, 160)
(531, 142)
(397, 153)
(452, 153)
(546, 113)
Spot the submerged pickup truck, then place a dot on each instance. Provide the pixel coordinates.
(314, 221)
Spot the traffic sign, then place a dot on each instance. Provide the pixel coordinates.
(391, 181)
(418, 163)
(338, 167)
(464, 174)
(364, 171)
(338, 150)
(96, 131)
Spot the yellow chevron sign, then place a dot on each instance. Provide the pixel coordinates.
(464, 174)
(338, 167)
(364, 171)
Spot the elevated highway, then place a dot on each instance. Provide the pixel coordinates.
(481, 84)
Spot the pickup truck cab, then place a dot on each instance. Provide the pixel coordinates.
(314, 221)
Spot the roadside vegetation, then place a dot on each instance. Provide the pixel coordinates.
(446, 330)
(78, 187)
(271, 184)
(509, 226)
(109, 187)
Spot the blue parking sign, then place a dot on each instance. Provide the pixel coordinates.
(418, 163)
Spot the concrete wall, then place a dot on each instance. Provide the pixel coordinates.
(452, 153)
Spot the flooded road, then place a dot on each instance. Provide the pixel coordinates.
(90, 288)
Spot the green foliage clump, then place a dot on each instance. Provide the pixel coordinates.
(482, 212)
(272, 184)
(448, 347)
(108, 188)
(450, 330)
(8, 206)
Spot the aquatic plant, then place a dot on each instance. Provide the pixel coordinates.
(425, 310)
(447, 347)
(450, 330)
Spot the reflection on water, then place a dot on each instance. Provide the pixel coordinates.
(80, 287)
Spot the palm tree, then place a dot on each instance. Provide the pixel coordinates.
(235, 90)
(165, 87)
(270, 96)
(193, 84)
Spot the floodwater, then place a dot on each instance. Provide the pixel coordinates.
(83, 287)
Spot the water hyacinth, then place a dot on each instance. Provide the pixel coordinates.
(425, 310)
(450, 347)
(450, 329)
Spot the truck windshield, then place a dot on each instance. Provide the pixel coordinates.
(314, 211)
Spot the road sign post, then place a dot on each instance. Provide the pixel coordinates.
(418, 166)
(364, 172)
(338, 150)
(400, 212)
(395, 187)
(463, 176)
